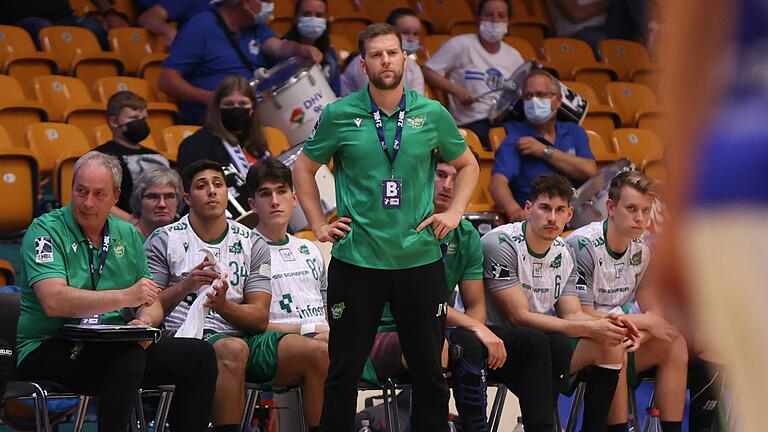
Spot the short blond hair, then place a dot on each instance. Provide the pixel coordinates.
(634, 179)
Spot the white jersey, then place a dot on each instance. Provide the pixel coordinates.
(354, 79)
(174, 250)
(607, 280)
(463, 60)
(299, 282)
(509, 262)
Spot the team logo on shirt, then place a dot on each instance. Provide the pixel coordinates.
(236, 248)
(636, 259)
(74, 247)
(619, 267)
(494, 79)
(43, 249)
(304, 249)
(583, 243)
(417, 121)
(537, 269)
(358, 120)
(452, 247)
(555, 264)
(119, 248)
(285, 303)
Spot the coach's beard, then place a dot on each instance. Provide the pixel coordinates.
(381, 84)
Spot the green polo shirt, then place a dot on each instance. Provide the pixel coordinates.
(463, 260)
(384, 238)
(55, 247)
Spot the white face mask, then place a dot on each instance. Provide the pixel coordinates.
(266, 12)
(493, 31)
(311, 27)
(538, 110)
(410, 46)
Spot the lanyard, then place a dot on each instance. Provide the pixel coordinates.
(96, 276)
(398, 131)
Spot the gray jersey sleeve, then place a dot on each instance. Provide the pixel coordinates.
(260, 274)
(499, 262)
(584, 255)
(324, 282)
(570, 285)
(156, 249)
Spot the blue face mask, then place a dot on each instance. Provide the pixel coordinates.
(538, 110)
(311, 27)
(266, 12)
(410, 47)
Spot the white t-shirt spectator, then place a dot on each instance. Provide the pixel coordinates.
(354, 79)
(464, 61)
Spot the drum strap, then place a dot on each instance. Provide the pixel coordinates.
(233, 42)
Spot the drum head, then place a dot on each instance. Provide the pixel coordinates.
(280, 75)
(512, 91)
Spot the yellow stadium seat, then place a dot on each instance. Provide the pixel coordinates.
(78, 53)
(637, 144)
(105, 87)
(134, 47)
(20, 59)
(496, 136)
(432, 43)
(604, 152)
(630, 59)
(481, 199)
(380, 9)
(102, 133)
(83, 7)
(306, 235)
(347, 18)
(530, 21)
(573, 58)
(282, 17)
(16, 111)
(276, 140)
(522, 46)
(62, 176)
(50, 140)
(127, 8)
(151, 72)
(18, 185)
(5, 139)
(600, 118)
(632, 101)
(174, 135)
(68, 100)
(446, 14)
(7, 273)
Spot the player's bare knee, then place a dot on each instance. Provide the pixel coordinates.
(677, 352)
(613, 355)
(231, 355)
(317, 358)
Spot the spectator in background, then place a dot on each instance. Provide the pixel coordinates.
(470, 65)
(231, 134)
(310, 27)
(580, 19)
(127, 118)
(155, 199)
(36, 15)
(540, 145)
(230, 38)
(156, 19)
(409, 25)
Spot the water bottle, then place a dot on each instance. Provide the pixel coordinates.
(366, 426)
(652, 422)
(519, 426)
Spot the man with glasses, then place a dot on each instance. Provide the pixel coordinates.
(540, 145)
(155, 199)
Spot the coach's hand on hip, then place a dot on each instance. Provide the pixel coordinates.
(442, 223)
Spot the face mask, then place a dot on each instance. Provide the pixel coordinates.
(265, 13)
(236, 119)
(311, 27)
(136, 131)
(538, 110)
(493, 31)
(410, 47)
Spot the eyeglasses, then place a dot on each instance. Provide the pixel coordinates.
(155, 197)
(539, 94)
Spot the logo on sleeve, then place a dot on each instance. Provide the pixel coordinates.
(500, 271)
(43, 249)
(314, 128)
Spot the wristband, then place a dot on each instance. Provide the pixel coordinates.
(307, 329)
(548, 152)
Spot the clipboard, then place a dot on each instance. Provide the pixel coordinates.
(109, 333)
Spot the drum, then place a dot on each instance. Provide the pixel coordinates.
(508, 105)
(326, 185)
(291, 97)
(482, 221)
(589, 200)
